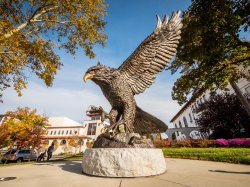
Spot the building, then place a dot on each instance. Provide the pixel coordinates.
(71, 136)
(1, 118)
(64, 132)
(184, 121)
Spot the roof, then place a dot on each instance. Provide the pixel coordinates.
(180, 111)
(62, 122)
(187, 104)
(64, 137)
(65, 127)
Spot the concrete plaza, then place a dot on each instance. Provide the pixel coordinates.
(180, 172)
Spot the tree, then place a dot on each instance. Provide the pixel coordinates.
(225, 116)
(73, 141)
(211, 53)
(22, 128)
(31, 30)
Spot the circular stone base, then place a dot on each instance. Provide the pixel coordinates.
(123, 162)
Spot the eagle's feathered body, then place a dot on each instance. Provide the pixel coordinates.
(136, 74)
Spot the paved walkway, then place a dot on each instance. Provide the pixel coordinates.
(180, 173)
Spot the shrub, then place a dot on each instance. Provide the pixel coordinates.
(221, 142)
(246, 143)
(202, 143)
(182, 143)
(162, 143)
(237, 142)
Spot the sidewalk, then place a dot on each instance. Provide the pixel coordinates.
(180, 172)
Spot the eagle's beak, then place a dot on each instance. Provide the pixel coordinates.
(88, 76)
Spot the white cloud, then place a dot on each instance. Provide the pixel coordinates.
(54, 101)
(63, 101)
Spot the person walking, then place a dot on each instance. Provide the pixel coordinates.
(50, 151)
(41, 156)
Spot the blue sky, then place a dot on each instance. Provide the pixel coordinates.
(128, 24)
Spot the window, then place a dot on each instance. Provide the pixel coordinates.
(204, 98)
(70, 132)
(91, 129)
(59, 132)
(51, 132)
(180, 124)
(22, 152)
(55, 133)
(67, 132)
(185, 121)
(62, 132)
(175, 125)
(63, 142)
(11, 151)
(196, 106)
(190, 117)
(248, 89)
(95, 118)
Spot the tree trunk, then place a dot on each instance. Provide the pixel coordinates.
(241, 97)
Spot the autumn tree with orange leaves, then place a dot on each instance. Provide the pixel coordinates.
(31, 31)
(22, 128)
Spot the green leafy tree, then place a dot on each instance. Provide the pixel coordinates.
(22, 128)
(225, 116)
(212, 53)
(31, 30)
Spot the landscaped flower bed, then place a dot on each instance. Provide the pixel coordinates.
(237, 142)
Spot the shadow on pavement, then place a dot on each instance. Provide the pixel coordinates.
(71, 166)
(234, 172)
(7, 178)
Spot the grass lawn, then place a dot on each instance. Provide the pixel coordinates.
(14, 163)
(75, 157)
(231, 155)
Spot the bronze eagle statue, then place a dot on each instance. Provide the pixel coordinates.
(135, 75)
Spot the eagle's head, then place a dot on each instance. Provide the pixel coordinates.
(100, 74)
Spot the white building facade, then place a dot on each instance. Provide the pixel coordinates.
(186, 118)
(70, 136)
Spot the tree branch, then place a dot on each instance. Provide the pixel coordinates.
(7, 52)
(42, 20)
(33, 18)
(240, 42)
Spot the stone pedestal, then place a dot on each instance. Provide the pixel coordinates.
(123, 162)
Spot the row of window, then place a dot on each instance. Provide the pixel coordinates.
(185, 121)
(95, 117)
(193, 107)
(59, 132)
(196, 105)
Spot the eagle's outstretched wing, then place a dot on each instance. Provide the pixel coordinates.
(146, 123)
(153, 54)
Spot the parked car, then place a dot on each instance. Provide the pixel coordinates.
(19, 155)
